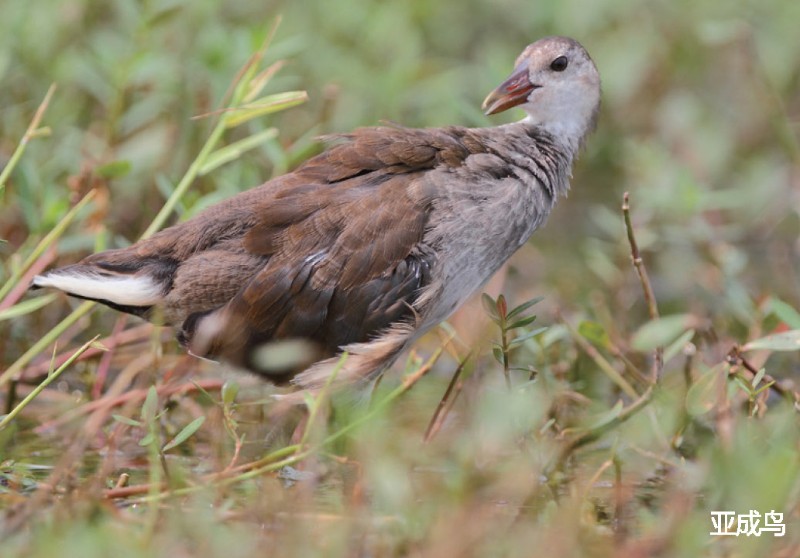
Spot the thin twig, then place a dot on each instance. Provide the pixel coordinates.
(590, 435)
(122, 481)
(735, 357)
(105, 360)
(445, 404)
(619, 500)
(133, 335)
(641, 270)
(238, 442)
(601, 361)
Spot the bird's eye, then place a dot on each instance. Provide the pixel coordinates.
(559, 64)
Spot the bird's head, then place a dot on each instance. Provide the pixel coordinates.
(556, 83)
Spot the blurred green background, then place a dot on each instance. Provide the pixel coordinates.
(700, 123)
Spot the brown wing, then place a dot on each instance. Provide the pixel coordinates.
(341, 246)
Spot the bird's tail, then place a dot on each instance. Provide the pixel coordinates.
(113, 278)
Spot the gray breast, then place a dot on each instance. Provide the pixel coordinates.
(487, 208)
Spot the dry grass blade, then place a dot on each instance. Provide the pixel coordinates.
(44, 244)
(32, 132)
(47, 381)
(447, 401)
(18, 365)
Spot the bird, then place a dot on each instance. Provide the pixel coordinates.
(365, 246)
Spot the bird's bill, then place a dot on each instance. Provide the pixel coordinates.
(512, 92)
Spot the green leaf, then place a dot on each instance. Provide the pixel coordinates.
(759, 376)
(148, 439)
(498, 354)
(524, 306)
(784, 341)
(594, 333)
(257, 84)
(27, 306)
(661, 331)
(703, 395)
(502, 307)
(763, 388)
(490, 306)
(127, 420)
(230, 390)
(185, 433)
(263, 106)
(744, 386)
(522, 323)
(677, 346)
(522, 338)
(150, 405)
(235, 150)
(784, 312)
(114, 169)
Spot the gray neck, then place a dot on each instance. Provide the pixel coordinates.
(533, 148)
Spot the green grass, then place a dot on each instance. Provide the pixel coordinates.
(135, 449)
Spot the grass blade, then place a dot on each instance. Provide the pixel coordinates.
(26, 307)
(46, 382)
